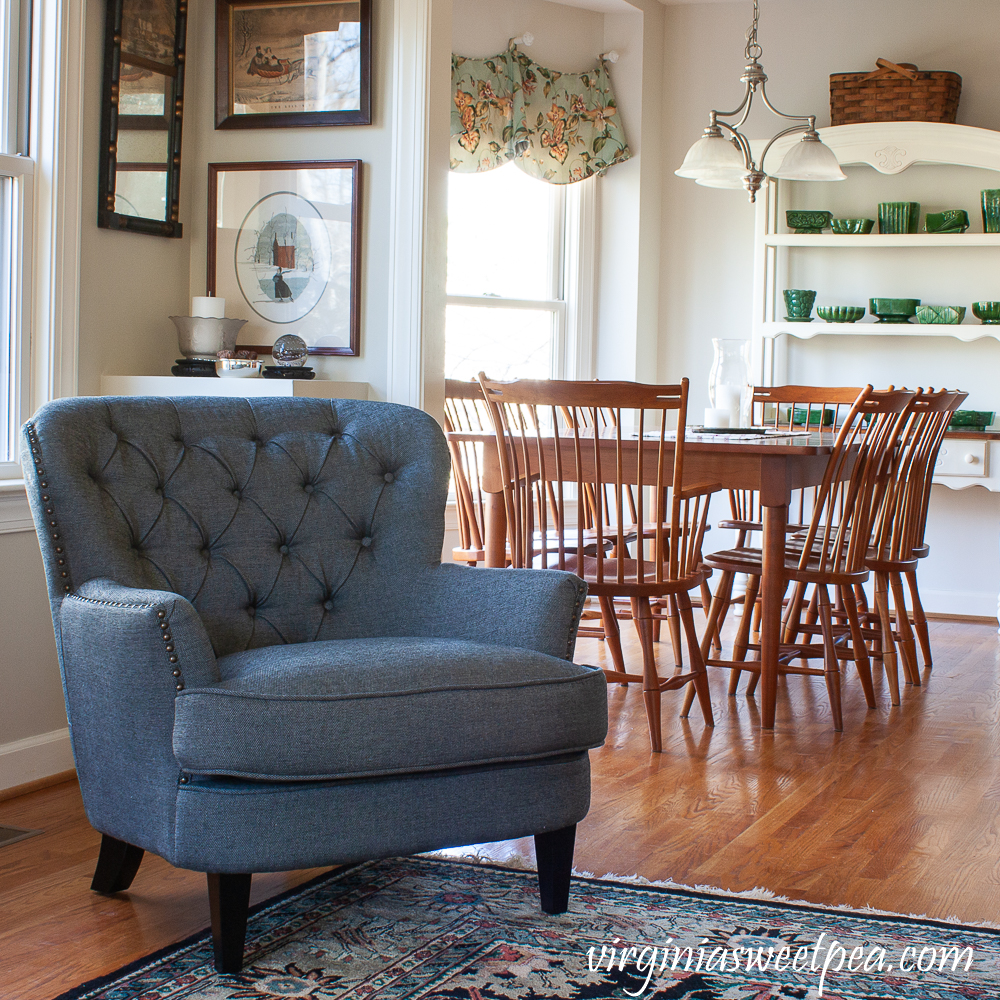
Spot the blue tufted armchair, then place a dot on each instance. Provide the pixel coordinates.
(266, 666)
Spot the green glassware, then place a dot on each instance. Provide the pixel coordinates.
(844, 227)
(955, 220)
(949, 315)
(893, 310)
(988, 312)
(991, 210)
(898, 216)
(804, 222)
(799, 304)
(840, 314)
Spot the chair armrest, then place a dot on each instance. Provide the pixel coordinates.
(531, 608)
(122, 671)
(698, 490)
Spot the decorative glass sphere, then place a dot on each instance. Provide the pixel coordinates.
(289, 351)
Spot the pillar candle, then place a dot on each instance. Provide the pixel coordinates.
(208, 305)
(717, 417)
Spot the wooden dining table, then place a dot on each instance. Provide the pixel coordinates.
(774, 466)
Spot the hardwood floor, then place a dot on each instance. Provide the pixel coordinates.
(901, 811)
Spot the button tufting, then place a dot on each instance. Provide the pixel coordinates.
(389, 477)
(283, 549)
(308, 487)
(251, 611)
(366, 541)
(328, 605)
(237, 493)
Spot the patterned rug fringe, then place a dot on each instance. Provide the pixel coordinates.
(521, 863)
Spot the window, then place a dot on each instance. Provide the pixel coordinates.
(16, 215)
(518, 305)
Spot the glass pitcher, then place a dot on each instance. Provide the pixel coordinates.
(730, 385)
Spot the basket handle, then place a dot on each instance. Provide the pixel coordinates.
(885, 67)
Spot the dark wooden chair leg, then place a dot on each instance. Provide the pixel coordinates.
(554, 856)
(116, 865)
(229, 901)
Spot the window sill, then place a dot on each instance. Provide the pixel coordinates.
(15, 514)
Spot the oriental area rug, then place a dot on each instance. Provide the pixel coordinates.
(403, 929)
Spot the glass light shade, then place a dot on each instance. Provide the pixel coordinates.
(810, 160)
(711, 154)
(728, 179)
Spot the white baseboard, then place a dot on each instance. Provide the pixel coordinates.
(959, 602)
(35, 757)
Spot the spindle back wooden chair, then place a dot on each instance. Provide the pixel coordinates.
(465, 410)
(833, 547)
(816, 408)
(553, 449)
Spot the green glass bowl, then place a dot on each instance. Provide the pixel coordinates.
(949, 315)
(988, 312)
(845, 227)
(893, 310)
(808, 222)
(840, 314)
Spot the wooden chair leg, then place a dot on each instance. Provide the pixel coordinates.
(907, 645)
(642, 615)
(831, 668)
(229, 902)
(700, 682)
(674, 625)
(717, 609)
(919, 619)
(885, 635)
(554, 858)
(706, 604)
(116, 865)
(861, 659)
(743, 633)
(793, 613)
(612, 635)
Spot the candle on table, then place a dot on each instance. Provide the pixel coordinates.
(208, 306)
(716, 416)
(727, 397)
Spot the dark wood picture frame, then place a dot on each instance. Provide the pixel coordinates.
(112, 123)
(352, 349)
(225, 117)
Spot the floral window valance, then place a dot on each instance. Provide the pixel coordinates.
(558, 127)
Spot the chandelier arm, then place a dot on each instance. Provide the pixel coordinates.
(742, 142)
(744, 106)
(787, 131)
(781, 114)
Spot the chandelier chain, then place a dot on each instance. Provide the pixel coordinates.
(753, 50)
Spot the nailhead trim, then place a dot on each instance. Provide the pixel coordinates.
(36, 455)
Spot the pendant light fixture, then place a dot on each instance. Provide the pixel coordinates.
(721, 158)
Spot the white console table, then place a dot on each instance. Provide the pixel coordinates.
(170, 385)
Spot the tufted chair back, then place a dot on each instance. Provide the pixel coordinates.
(280, 520)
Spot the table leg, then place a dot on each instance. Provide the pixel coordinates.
(496, 530)
(772, 588)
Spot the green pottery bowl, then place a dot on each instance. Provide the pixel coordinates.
(971, 419)
(802, 413)
(940, 314)
(955, 220)
(808, 222)
(844, 227)
(840, 314)
(893, 310)
(988, 312)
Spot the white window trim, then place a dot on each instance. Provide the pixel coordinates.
(51, 306)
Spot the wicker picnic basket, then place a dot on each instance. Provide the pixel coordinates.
(895, 92)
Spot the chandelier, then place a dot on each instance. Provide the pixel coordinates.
(724, 160)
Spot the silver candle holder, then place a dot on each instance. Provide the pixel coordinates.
(200, 338)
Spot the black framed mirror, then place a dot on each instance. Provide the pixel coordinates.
(143, 98)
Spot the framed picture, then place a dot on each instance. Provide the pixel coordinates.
(284, 250)
(286, 63)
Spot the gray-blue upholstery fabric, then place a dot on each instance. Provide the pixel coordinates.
(368, 707)
(181, 535)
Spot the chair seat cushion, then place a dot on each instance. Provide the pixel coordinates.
(352, 708)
